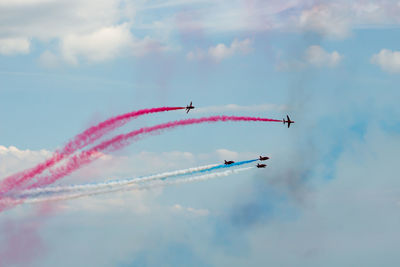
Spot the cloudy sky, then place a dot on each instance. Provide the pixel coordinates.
(330, 195)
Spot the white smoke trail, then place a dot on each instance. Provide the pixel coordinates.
(151, 184)
(56, 189)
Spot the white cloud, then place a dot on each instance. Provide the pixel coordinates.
(357, 208)
(349, 220)
(317, 56)
(332, 19)
(13, 159)
(22, 154)
(49, 19)
(314, 56)
(18, 3)
(103, 44)
(326, 20)
(133, 202)
(107, 43)
(93, 31)
(72, 23)
(11, 46)
(221, 51)
(388, 60)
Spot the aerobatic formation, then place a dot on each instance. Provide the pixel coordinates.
(35, 184)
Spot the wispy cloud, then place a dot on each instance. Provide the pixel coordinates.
(82, 29)
(326, 20)
(331, 19)
(313, 56)
(11, 46)
(221, 51)
(170, 4)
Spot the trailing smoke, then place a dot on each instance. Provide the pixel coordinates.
(133, 186)
(80, 141)
(160, 176)
(122, 140)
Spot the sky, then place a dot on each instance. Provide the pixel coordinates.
(329, 195)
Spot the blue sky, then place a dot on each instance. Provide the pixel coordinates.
(329, 194)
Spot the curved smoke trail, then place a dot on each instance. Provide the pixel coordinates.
(152, 184)
(109, 184)
(81, 140)
(123, 140)
(100, 185)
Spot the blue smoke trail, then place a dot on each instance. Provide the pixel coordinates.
(174, 174)
(222, 166)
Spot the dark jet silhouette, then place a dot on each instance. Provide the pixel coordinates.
(189, 107)
(263, 158)
(261, 165)
(288, 121)
(229, 162)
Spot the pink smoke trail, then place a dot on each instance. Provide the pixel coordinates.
(123, 140)
(80, 141)
(22, 243)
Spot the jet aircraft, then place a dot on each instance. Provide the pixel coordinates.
(189, 107)
(261, 165)
(229, 162)
(288, 121)
(263, 158)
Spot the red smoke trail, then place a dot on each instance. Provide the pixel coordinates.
(80, 141)
(122, 140)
